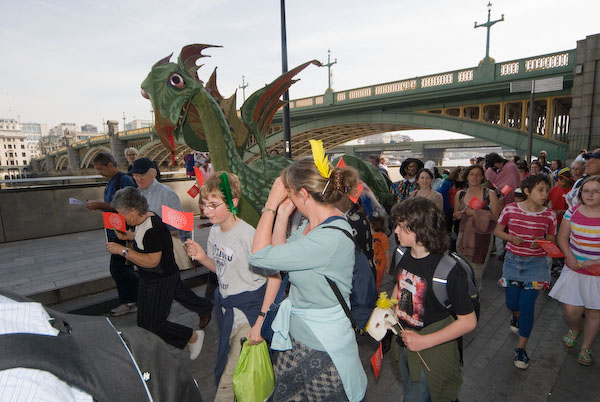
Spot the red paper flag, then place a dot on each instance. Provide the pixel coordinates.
(476, 203)
(199, 176)
(114, 221)
(193, 191)
(506, 189)
(377, 361)
(550, 248)
(178, 219)
(341, 164)
(357, 192)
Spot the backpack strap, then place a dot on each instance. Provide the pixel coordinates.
(342, 302)
(332, 284)
(118, 180)
(440, 280)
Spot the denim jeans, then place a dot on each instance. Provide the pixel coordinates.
(525, 269)
(414, 391)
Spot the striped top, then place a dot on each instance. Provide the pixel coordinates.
(585, 237)
(529, 226)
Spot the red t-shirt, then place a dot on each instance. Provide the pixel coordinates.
(558, 200)
(529, 226)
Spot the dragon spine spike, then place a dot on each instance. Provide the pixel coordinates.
(190, 54)
(163, 61)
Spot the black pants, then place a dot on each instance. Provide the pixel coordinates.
(155, 297)
(124, 276)
(190, 300)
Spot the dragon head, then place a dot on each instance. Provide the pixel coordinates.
(170, 87)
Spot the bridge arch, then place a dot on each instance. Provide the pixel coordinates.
(88, 157)
(336, 130)
(62, 163)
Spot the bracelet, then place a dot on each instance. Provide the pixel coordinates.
(125, 252)
(262, 211)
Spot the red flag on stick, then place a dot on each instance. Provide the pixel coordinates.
(357, 192)
(377, 361)
(550, 248)
(193, 191)
(476, 203)
(199, 177)
(506, 189)
(178, 219)
(341, 164)
(114, 221)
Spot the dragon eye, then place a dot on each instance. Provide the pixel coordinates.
(145, 94)
(176, 80)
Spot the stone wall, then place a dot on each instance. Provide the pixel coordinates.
(584, 131)
(34, 213)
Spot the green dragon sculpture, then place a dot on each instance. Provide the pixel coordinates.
(183, 106)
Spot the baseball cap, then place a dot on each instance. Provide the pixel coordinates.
(141, 166)
(595, 155)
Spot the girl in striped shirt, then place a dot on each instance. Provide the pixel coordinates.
(526, 268)
(578, 286)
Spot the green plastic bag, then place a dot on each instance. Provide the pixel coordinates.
(253, 378)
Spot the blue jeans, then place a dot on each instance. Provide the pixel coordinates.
(414, 391)
(525, 269)
(523, 301)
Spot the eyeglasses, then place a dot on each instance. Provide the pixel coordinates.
(211, 207)
(589, 191)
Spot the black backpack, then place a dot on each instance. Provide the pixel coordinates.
(440, 279)
(364, 289)
(129, 364)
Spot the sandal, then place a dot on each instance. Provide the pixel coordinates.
(585, 357)
(570, 339)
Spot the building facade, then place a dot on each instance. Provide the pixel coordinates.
(16, 148)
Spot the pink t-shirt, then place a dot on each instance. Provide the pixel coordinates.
(528, 226)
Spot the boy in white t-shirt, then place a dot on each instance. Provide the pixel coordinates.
(240, 303)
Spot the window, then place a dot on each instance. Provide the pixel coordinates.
(10, 154)
(22, 146)
(12, 163)
(24, 162)
(23, 154)
(9, 146)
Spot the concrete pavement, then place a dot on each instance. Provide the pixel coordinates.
(61, 266)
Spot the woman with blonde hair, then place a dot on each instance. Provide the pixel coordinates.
(319, 355)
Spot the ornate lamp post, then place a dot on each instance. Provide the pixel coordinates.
(488, 25)
(243, 88)
(328, 65)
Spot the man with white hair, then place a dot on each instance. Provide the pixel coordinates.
(158, 194)
(577, 168)
(592, 168)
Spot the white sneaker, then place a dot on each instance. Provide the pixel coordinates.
(123, 309)
(196, 347)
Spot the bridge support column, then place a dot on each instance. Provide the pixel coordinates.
(117, 146)
(35, 165)
(436, 155)
(584, 131)
(73, 160)
(50, 167)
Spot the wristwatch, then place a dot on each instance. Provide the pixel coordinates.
(262, 314)
(125, 252)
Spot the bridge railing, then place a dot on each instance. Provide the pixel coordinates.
(559, 62)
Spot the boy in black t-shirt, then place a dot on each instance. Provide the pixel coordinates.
(429, 327)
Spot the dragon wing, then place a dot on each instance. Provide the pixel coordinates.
(261, 106)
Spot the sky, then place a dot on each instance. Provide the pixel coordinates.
(83, 61)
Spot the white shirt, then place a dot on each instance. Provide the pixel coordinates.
(32, 385)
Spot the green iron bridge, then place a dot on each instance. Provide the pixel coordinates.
(475, 101)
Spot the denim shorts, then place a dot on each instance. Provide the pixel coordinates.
(525, 269)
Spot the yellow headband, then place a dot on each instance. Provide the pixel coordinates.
(321, 161)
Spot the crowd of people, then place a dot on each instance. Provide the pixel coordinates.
(493, 204)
